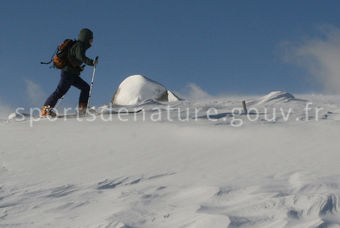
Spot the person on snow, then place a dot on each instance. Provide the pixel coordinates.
(70, 75)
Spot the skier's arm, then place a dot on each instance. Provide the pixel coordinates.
(80, 55)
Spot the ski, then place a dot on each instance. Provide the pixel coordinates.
(108, 112)
(23, 115)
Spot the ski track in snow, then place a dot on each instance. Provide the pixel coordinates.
(188, 175)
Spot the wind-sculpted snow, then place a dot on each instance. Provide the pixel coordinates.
(279, 203)
(137, 89)
(186, 174)
(276, 96)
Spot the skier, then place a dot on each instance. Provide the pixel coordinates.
(70, 75)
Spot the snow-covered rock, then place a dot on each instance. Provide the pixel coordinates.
(275, 97)
(136, 88)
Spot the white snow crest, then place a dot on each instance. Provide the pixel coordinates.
(137, 89)
(276, 97)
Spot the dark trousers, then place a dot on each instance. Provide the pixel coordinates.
(66, 81)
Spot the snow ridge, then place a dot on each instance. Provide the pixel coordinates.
(275, 97)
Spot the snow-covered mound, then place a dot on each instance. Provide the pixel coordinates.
(275, 97)
(137, 88)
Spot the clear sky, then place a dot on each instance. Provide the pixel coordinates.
(224, 47)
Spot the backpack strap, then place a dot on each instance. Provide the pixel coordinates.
(51, 60)
(70, 58)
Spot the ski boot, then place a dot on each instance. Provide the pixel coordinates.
(47, 111)
(82, 109)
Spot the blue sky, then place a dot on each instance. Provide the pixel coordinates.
(224, 47)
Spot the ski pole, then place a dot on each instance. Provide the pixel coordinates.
(91, 86)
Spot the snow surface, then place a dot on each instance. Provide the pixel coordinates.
(190, 174)
(137, 89)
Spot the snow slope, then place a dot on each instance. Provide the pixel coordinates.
(193, 174)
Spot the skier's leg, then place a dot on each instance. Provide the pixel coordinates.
(64, 85)
(84, 94)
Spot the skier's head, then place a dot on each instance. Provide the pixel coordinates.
(86, 36)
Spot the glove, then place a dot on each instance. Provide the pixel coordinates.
(95, 62)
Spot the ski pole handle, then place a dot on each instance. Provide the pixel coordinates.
(95, 62)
